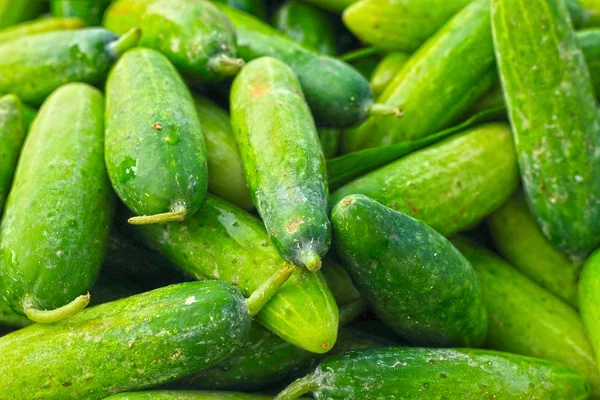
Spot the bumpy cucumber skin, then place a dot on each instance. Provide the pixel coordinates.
(154, 150)
(185, 395)
(224, 242)
(12, 133)
(526, 319)
(555, 121)
(13, 12)
(56, 223)
(41, 25)
(254, 7)
(589, 299)
(129, 344)
(520, 241)
(225, 172)
(282, 159)
(190, 33)
(33, 66)
(417, 373)
(449, 185)
(338, 95)
(90, 11)
(411, 276)
(386, 69)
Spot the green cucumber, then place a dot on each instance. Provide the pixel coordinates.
(459, 58)
(307, 25)
(89, 11)
(589, 300)
(340, 283)
(449, 185)
(254, 7)
(40, 25)
(33, 66)
(225, 172)
(386, 69)
(555, 121)
(330, 141)
(13, 12)
(520, 241)
(526, 319)
(55, 227)
(185, 395)
(417, 373)
(197, 38)
(224, 242)
(412, 277)
(155, 154)
(282, 159)
(336, 6)
(592, 8)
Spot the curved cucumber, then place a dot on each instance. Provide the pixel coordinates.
(155, 153)
(55, 226)
(283, 163)
(225, 172)
(224, 242)
(89, 11)
(192, 34)
(414, 373)
(555, 121)
(13, 129)
(526, 319)
(13, 12)
(386, 69)
(449, 185)
(41, 25)
(185, 395)
(254, 7)
(411, 276)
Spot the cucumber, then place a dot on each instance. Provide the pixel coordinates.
(389, 66)
(413, 373)
(185, 395)
(340, 283)
(55, 227)
(155, 154)
(520, 241)
(459, 58)
(13, 12)
(588, 41)
(307, 25)
(336, 6)
(41, 25)
(449, 185)
(330, 141)
(412, 277)
(89, 11)
(254, 7)
(283, 163)
(555, 121)
(197, 38)
(592, 8)
(225, 172)
(34, 66)
(224, 242)
(526, 319)
(10, 318)
(589, 299)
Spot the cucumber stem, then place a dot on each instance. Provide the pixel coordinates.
(349, 312)
(359, 54)
(378, 110)
(224, 65)
(178, 215)
(128, 40)
(311, 261)
(268, 288)
(60, 313)
(297, 388)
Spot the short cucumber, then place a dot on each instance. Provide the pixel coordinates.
(386, 69)
(13, 12)
(254, 7)
(155, 154)
(185, 395)
(225, 173)
(89, 11)
(526, 319)
(197, 38)
(449, 185)
(411, 276)
(332, 5)
(283, 163)
(224, 242)
(418, 373)
(555, 121)
(40, 25)
(33, 66)
(55, 227)
(589, 300)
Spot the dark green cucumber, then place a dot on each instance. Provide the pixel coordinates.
(89, 11)
(55, 227)
(449, 185)
(254, 7)
(8, 317)
(520, 241)
(332, 5)
(411, 276)
(197, 38)
(555, 121)
(340, 283)
(307, 25)
(224, 242)
(33, 66)
(282, 159)
(225, 172)
(589, 300)
(526, 319)
(41, 25)
(330, 141)
(185, 395)
(413, 373)
(13, 12)
(386, 69)
(155, 154)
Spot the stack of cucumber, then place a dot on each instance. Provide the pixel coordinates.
(263, 199)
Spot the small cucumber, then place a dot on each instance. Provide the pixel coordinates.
(520, 241)
(89, 11)
(13, 12)
(197, 38)
(224, 242)
(417, 373)
(155, 154)
(254, 7)
(33, 66)
(55, 227)
(185, 395)
(307, 25)
(555, 121)
(411, 276)
(40, 25)
(526, 319)
(589, 300)
(225, 172)
(336, 6)
(283, 163)
(386, 69)
(449, 185)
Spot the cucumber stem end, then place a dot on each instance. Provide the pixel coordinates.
(384, 110)
(224, 65)
(311, 261)
(128, 40)
(297, 388)
(268, 288)
(178, 215)
(60, 313)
